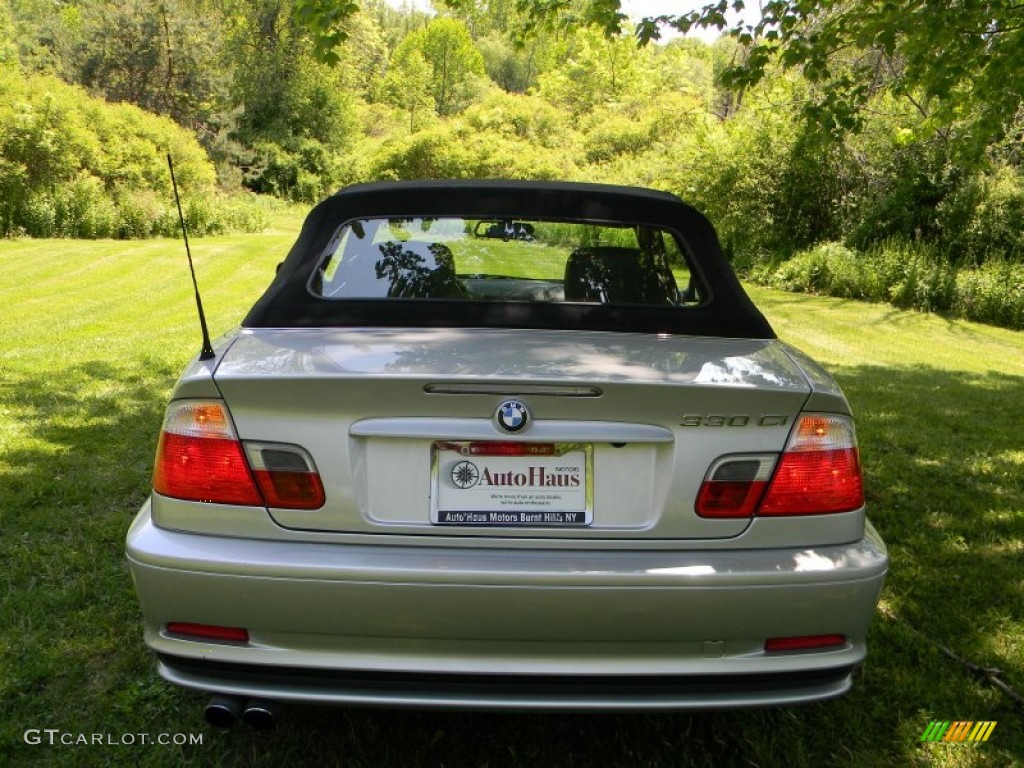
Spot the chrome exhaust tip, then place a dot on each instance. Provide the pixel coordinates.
(223, 711)
(261, 714)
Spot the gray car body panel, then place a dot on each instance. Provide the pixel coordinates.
(402, 616)
(362, 399)
(379, 610)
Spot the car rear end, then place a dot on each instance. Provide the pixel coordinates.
(466, 516)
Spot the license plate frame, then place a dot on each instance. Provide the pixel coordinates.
(496, 484)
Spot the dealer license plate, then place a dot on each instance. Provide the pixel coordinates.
(511, 484)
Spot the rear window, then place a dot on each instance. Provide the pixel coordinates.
(507, 260)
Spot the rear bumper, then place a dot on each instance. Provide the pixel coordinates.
(474, 628)
(533, 692)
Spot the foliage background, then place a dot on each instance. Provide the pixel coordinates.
(824, 124)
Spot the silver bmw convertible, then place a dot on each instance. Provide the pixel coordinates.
(488, 444)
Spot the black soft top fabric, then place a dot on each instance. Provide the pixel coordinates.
(288, 303)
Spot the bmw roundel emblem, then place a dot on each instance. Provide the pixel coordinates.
(512, 416)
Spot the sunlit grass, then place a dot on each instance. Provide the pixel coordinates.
(92, 337)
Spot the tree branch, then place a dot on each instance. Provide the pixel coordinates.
(989, 674)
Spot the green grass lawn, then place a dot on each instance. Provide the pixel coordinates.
(92, 336)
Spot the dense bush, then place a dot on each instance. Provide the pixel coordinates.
(914, 191)
(993, 224)
(81, 209)
(304, 175)
(908, 181)
(72, 165)
(771, 182)
(458, 152)
(992, 293)
(615, 137)
(529, 118)
(907, 276)
(828, 268)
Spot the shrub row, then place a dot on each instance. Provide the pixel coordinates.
(910, 276)
(72, 165)
(83, 209)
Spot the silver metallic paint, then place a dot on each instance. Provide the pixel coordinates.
(342, 589)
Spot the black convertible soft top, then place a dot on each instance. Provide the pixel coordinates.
(289, 303)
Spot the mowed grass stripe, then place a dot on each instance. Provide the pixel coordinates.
(92, 337)
(140, 296)
(846, 332)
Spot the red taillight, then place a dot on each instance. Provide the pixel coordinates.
(819, 472)
(803, 643)
(208, 631)
(286, 476)
(199, 458)
(291, 490)
(734, 486)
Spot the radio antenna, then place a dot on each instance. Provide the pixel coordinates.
(206, 353)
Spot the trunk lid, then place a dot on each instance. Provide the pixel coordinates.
(403, 426)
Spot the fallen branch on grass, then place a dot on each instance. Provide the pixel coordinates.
(990, 674)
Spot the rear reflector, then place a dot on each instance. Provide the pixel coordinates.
(208, 632)
(199, 457)
(819, 472)
(803, 643)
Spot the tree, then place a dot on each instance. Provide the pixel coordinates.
(297, 113)
(595, 70)
(364, 54)
(445, 45)
(958, 62)
(324, 22)
(512, 60)
(288, 95)
(407, 84)
(153, 54)
(512, 68)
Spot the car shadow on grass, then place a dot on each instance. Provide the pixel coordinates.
(945, 482)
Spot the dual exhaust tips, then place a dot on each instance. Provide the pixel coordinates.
(225, 711)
